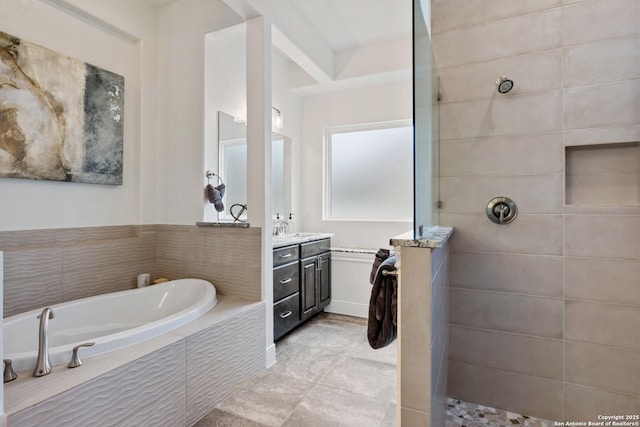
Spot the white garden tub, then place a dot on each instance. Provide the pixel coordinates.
(112, 321)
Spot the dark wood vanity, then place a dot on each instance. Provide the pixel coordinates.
(301, 283)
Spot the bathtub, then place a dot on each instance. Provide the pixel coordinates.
(112, 321)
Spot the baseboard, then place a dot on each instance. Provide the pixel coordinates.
(348, 308)
(271, 355)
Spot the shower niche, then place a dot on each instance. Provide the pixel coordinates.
(603, 175)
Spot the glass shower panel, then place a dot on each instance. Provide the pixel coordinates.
(425, 118)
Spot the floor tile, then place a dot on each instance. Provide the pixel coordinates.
(364, 377)
(218, 418)
(329, 337)
(267, 398)
(304, 362)
(363, 350)
(326, 406)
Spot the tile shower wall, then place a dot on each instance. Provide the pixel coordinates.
(544, 311)
(45, 267)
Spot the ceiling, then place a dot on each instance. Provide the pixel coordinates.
(350, 23)
(346, 24)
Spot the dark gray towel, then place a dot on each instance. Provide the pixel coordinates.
(381, 255)
(383, 306)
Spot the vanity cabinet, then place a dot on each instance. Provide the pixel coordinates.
(301, 283)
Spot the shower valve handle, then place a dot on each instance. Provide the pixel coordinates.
(75, 358)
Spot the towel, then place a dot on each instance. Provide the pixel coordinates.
(383, 305)
(381, 255)
(214, 195)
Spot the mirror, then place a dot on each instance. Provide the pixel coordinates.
(232, 166)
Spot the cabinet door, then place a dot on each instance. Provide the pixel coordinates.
(308, 286)
(324, 280)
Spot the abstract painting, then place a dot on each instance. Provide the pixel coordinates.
(60, 118)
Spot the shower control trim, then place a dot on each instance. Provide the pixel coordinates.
(501, 210)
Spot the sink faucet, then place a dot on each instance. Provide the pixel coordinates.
(43, 365)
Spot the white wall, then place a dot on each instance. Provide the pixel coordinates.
(388, 102)
(365, 105)
(225, 90)
(182, 27)
(126, 47)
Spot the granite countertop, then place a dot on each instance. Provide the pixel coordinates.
(223, 224)
(433, 238)
(295, 238)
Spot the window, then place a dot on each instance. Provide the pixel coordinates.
(369, 172)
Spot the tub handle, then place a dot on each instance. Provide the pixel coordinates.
(75, 358)
(286, 314)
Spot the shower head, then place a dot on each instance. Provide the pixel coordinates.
(504, 84)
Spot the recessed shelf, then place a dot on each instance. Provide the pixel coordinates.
(603, 175)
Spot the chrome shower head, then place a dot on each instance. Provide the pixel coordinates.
(504, 84)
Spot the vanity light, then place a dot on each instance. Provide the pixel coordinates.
(276, 118)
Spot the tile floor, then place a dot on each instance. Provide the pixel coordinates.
(327, 375)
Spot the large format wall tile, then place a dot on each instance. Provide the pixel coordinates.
(83, 257)
(501, 389)
(528, 234)
(537, 112)
(448, 14)
(540, 357)
(464, 83)
(592, 20)
(601, 236)
(83, 234)
(532, 193)
(230, 258)
(605, 105)
(601, 323)
(501, 155)
(488, 41)
(103, 279)
(22, 295)
(602, 62)
(25, 238)
(604, 367)
(523, 314)
(602, 280)
(127, 389)
(522, 274)
(586, 403)
(603, 135)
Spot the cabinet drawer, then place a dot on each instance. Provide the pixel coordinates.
(285, 255)
(286, 315)
(285, 280)
(315, 247)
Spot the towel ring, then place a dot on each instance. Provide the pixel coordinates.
(210, 175)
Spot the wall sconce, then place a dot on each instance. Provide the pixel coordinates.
(276, 118)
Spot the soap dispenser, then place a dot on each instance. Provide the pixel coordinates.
(290, 224)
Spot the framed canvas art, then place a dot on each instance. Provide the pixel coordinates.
(60, 118)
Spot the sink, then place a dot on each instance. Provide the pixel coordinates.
(300, 237)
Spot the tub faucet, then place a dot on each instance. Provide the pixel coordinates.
(43, 365)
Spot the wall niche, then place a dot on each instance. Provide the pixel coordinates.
(603, 175)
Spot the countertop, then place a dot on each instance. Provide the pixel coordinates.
(433, 238)
(295, 238)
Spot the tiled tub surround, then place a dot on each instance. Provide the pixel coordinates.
(45, 267)
(543, 310)
(190, 369)
(171, 380)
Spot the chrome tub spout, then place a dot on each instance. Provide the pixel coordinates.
(43, 365)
